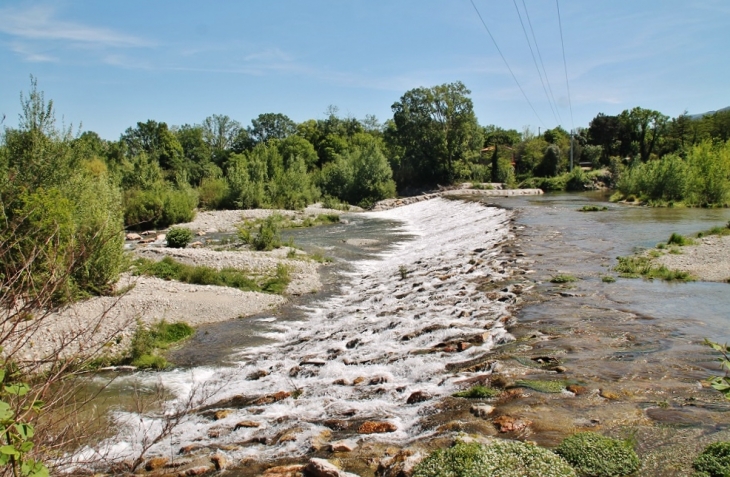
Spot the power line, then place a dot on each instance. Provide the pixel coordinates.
(534, 60)
(505, 62)
(539, 55)
(565, 65)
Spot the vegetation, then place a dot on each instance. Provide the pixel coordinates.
(680, 240)
(148, 342)
(642, 266)
(170, 269)
(503, 458)
(563, 278)
(541, 386)
(594, 455)
(714, 461)
(478, 392)
(715, 231)
(608, 279)
(179, 237)
(592, 208)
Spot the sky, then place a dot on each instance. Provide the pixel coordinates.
(110, 64)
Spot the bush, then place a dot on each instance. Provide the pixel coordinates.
(714, 461)
(147, 342)
(594, 455)
(179, 237)
(212, 193)
(502, 458)
(681, 240)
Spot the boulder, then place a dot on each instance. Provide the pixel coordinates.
(133, 236)
(285, 471)
(482, 410)
(271, 398)
(222, 414)
(322, 468)
(156, 463)
(346, 445)
(418, 396)
(376, 427)
(220, 461)
(511, 424)
(246, 425)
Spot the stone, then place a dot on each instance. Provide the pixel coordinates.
(376, 427)
(133, 236)
(418, 396)
(378, 380)
(401, 464)
(246, 425)
(271, 398)
(285, 471)
(220, 461)
(610, 395)
(257, 375)
(358, 380)
(322, 468)
(463, 346)
(160, 237)
(576, 389)
(156, 463)
(199, 470)
(340, 382)
(196, 244)
(190, 449)
(511, 424)
(345, 445)
(290, 435)
(337, 424)
(222, 414)
(321, 440)
(200, 233)
(482, 410)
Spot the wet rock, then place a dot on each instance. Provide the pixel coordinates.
(189, 449)
(196, 244)
(399, 465)
(560, 369)
(294, 372)
(257, 375)
(378, 380)
(322, 468)
(583, 422)
(352, 343)
(222, 414)
(246, 425)
(337, 424)
(313, 362)
(199, 470)
(271, 398)
(289, 435)
(482, 410)
(133, 236)
(200, 233)
(220, 461)
(376, 427)
(358, 380)
(610, 395)
(511, 424)
(340, 382)
(463, 346)
(285, 471)
(156, 463)
(418, 396)
(346, 445)
(321, 440)
(576, 389)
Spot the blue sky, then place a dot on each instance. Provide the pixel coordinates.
(109, 64)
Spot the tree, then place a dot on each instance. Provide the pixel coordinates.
(435, 127)
(271, 126)
(644, 127)
(158, 142)
(604, 131)
(221, 134)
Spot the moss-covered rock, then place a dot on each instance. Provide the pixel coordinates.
(501, 458)
(594, 455)
(542, 386)
(714, 461)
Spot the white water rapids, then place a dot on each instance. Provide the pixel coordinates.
(353, 356)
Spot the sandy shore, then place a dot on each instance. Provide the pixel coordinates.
(708, 261)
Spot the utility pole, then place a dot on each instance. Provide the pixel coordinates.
(571, 150)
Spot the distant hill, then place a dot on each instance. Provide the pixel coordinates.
(698, 116)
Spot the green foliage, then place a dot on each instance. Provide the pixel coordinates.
(159, 207)
(542, 386)
(681, 240)
(721, 383)
(149, 341)
(268, 236)
(170, 269)
(608, 279)
(592, 208)
(719, 230)
(500, 458)
(642, 266)
(213, 193)
(594, 455)
(179, 237)
(478, 392)
(714, 461)
(563, 278)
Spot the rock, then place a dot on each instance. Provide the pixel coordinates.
(271, 398)
(160, 237)
(358, 380)
(399, 465)
(190, 449)
(149, 232)
(378, 380)
(196, 244)
(133, 236)
(560, 369)
(337, 424)
(285, 471)
(376, 427)
(199, 470)
(220, 461)
(511, 424)
(313, 362)
(246, 425)
(418, 396)
(222, 414)
(322, 468)
(605, 393)
(321, 440)
(482, 410)
(211, 231)
(463, 346)
(200, 233)
(290, 435)
(576, 389)
(340, 382)
(257, 375)
(156, 463)
(346, 445)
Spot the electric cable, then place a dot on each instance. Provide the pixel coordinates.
(505, 62)
(565, 65)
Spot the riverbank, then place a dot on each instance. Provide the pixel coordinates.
(706, 260)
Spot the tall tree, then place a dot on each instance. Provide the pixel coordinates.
(435, 127)
(271, 126)
(645, 127)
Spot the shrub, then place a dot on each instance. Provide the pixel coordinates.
(179, 237)
(212, 193)
(714, 461)
(477, 392)
(681, 240)
(502, 458)
(147, 342)
(594, 455)
(268, 236)
(563, 278)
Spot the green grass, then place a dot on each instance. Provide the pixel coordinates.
(715, 231)
(563, 278)
(642, 266)
(542, 386)
(478, 392)
(681, 240)
(608, 279)
(148, 342)
(592, 454)
(592, 208)
(170, 269)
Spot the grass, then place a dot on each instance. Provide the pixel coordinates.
(715, 231)
(541, 386)
(481, 186)
(608, 279)
(563, 278)
(149, 341)
(642, 266)
(592, 454)
(680, 240)
(170, 269)
(478, 392)
(592, 208)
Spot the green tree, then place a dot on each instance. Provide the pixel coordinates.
(271, 126)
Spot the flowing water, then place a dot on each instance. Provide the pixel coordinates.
(410, 285)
